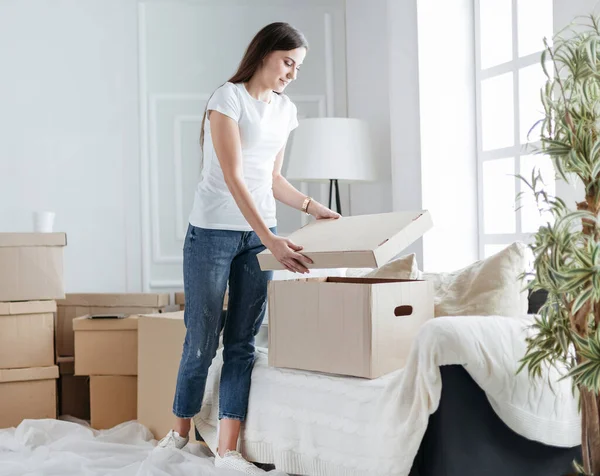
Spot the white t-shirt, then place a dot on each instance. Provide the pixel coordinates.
(264, 129)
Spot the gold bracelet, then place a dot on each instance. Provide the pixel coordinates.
(307, 201)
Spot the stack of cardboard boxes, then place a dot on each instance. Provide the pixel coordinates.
(98, 370)
(100, 333)
(31, 279)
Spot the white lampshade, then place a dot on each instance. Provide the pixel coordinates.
(327, 148)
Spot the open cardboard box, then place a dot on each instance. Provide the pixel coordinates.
(350, 326)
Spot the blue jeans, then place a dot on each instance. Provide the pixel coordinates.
(211, 258)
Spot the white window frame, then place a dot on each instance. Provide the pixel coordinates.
(518, 149)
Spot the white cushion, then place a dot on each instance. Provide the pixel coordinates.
(404, 267)
(485, 288)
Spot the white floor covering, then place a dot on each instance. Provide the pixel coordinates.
(71, 448)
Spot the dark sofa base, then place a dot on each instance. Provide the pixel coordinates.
(465, 437)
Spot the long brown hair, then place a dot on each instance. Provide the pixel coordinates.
(277, 36)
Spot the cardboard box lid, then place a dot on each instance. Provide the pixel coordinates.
(32, 373)
(86, 323)
(115, 299)
(362, 241)
(26, 307)
(33, 239)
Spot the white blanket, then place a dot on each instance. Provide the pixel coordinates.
(65, 448)
(309, 423)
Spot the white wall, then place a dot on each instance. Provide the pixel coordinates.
(69, 93)
(448, 132)
(566, 11)
(69, 122)
(368, 83)
(403, 59)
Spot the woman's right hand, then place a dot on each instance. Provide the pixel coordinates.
(287, 253)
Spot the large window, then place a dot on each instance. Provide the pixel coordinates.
(509, 41)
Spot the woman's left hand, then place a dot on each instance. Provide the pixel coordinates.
(321, 212)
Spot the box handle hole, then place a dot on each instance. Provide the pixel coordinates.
(403, 311)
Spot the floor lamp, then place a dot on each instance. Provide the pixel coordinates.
(334, 149)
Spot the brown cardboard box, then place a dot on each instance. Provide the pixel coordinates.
(73, 390)
(349, 326)
(77, 305)
(31, 266)
(180, 300)
(27, 334)
(106, 346)
(160, 342)
(27, 394)
(113, 400)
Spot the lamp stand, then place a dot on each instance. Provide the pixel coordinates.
(332, 183)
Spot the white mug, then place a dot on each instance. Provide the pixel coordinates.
(43, 222)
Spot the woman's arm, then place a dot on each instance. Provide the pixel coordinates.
(225, 134)
(286, 193)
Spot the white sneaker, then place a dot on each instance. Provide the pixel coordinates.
(173, 440)
(234, 460)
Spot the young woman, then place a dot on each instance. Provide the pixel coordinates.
(244, 132)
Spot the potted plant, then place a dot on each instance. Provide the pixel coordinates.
(567, 249)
